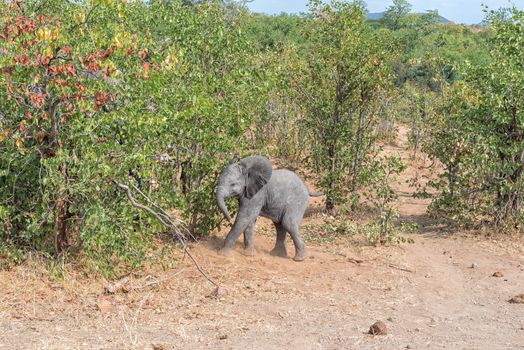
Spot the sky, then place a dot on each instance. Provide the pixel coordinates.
(460, 11)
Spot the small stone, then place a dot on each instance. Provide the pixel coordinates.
(474, 266)
(378, 328)
(223, 337)
(519, 299)
(408, 346)
(220, 292)
(498, 274)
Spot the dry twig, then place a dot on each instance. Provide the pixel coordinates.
(400, 268)
(355, 261)
(175, 226)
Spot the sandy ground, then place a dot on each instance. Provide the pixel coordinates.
(436, 293)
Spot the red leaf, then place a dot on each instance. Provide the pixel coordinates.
(66, 50)
(8, 70)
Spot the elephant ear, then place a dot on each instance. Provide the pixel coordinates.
(257, 170)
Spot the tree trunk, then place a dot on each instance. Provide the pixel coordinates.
(61, 214)
(358, 148)
(333, 142)
(330, 203)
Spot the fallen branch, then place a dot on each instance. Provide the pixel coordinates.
(175, 226)
(355, 261)
(400, 268)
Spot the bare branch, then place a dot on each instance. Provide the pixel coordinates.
(169, 222)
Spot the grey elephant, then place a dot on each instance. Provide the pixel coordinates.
(279, 195)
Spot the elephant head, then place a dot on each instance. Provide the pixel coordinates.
(242, 179)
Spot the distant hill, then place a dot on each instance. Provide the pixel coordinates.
(376, 15)
(379, 15)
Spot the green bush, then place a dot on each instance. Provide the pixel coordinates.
(478, 135)
(158, 95)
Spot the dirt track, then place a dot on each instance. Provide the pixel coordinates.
(436, 293)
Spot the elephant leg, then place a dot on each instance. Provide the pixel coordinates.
(249, 242)
(245, 218)
(300, 248)
(280, 245)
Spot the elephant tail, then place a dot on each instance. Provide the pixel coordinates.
(315, 194)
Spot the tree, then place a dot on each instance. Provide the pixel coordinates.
(337, 84)
(395, 13)
(156, 95)
(274, 32)
(479, 136)
(55, 78)
(199, 108)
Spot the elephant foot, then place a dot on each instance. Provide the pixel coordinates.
(279, 251)
(225, 251)
(249, 251)
(301, 255)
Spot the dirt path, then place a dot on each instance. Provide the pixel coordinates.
(436, 293)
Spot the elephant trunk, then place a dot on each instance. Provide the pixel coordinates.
(221, 203)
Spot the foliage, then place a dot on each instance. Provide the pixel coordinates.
(386, 170)
(58, 85)
(396, 14)
(198, 110)
(336, 85)
(478, 137)
(103, 94)
(276, 32)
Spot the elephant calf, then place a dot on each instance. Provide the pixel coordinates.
(279, 195)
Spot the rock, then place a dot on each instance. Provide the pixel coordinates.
(519, 299)
(223, 337)
(498, 274)
(473, 266)
(378, 328)
(159, 347)
(219, 292)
